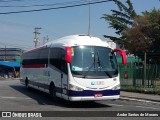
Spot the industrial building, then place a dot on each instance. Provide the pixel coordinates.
(10, 62)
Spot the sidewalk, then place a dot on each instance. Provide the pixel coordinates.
(141, 96)
(9, 78)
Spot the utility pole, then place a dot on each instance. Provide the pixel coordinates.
(5, 53)
(145, 62)
(36, 36)
(89, 18)
(45, 40)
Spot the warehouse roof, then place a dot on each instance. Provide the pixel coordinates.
(10, 64)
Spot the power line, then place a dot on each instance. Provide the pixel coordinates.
(45, 31)
(54, 8)
(44, 5)
(16, 46)
(10, 0)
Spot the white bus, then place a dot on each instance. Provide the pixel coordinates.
(75, 68)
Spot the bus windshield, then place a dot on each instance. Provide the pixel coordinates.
(93, 62)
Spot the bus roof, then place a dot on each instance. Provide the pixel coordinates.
(76, 40)
(73, 40)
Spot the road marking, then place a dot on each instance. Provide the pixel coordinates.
(139, 100)
(115, 105)
(9, 97)
(6, 97)
(147, 107)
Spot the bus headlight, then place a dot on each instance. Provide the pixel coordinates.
(117, 87)
(75, 88)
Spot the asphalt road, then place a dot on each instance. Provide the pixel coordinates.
(15, 97)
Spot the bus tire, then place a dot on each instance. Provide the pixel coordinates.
(52, 91)
(26, 83)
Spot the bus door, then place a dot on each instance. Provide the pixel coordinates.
(64, 83)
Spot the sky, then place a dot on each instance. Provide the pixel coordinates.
(16, 30)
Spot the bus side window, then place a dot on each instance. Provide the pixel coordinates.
(63, 62)
(57, 59)
(43, 56)
(64, 66)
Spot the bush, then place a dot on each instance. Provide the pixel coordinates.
(141, 90)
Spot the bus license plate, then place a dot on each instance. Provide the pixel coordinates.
(98, 95)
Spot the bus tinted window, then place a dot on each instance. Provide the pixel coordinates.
(57, 59)
(36, 57)
(93, 61)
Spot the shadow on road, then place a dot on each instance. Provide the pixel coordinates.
(44, 99)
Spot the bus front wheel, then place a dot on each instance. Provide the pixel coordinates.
(26, 83)
(52, 91)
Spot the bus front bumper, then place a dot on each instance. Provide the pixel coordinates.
(93, 95)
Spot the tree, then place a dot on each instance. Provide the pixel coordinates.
(144, 36)
(136, 41)
(120, 20)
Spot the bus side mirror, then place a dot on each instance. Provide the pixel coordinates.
(68, 57)
(123, 55)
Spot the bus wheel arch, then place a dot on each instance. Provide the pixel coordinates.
(52, 91)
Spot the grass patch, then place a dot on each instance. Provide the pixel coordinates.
(141, 90)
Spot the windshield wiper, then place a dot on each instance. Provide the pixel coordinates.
(100, 65)
(85, 74)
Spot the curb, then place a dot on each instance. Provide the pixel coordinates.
(140, 100)
(7, 79)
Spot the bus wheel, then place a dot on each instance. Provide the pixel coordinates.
(26, 83)
(52, 92)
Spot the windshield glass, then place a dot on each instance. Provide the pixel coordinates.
(93, 62)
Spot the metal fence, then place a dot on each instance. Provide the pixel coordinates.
(137, 75)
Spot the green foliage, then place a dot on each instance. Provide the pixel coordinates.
(144, 36)
(120, 20)
(141, 90)
(136, 33)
